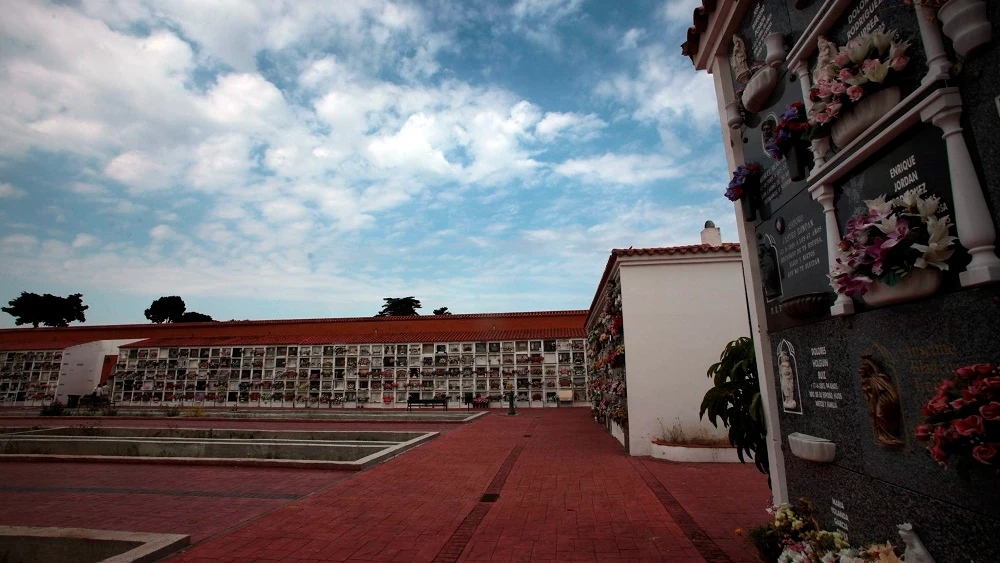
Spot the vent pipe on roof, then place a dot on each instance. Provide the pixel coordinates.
(711, 234)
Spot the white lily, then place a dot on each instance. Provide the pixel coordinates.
(888, 224)
(897, 48)
(928, 207)
(879, 205)
(876, 71)
(910, 197)
(937, 230)
(934, 255)
(881, 40)
(857, 48)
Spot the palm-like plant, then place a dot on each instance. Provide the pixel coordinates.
(735, 401)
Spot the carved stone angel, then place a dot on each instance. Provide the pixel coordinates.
(738, 60)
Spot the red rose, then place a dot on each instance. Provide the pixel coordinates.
(937, 405)
(984, 369)
(938, 453)
(985, 452)
(988, 384)
(969, 425)
(924, 432)
(945, 385)
(957, 404)
(990, 411)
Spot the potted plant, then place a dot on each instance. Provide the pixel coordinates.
(895, 251)
(854, 88)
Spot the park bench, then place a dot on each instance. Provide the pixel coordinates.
(414, 400)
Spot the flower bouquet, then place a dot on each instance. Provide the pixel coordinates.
(739, 183)
(783, 140)
(963, 419)
(860, 69)
(901, 242)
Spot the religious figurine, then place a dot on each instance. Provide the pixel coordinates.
(915, 550)
(738, 60)
(883, 403)
(787, 376)
(827, 52)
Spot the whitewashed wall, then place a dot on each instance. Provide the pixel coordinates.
(82, 364)
(679, 314)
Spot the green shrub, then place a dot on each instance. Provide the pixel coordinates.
(734, 400)
(55, 408)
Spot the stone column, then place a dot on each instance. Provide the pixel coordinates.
(972, 217)
(823, 193)
(801, 68)
(938, 65)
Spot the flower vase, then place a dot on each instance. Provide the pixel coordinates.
(734, 117)
(870, 109)
(921, 282)
(965, 22)
(750, 198)
(796, 159)
(759, 89)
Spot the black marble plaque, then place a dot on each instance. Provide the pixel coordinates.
(918, 345)
(917, 159)
(776, 185)
(866, 16)
(792, 250)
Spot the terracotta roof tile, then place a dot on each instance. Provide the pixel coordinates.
(512, 315)
(666, 250)
(365, 338)
(700, 20)
(40, 344)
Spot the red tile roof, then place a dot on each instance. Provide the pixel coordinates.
(700, 20)
(364, 338)
(16, 345)
(655, 251)
(426, 328)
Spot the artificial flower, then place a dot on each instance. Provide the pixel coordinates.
(985, 452)
(855, 93)
(969, 425)
(857, 48)
(881, 41)
(875, 70)
(990, 411)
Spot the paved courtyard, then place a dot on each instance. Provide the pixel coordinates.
(546, 485)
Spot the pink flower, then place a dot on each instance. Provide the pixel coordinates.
(855, 93)
(823, 117)
(990, 411)
(845, 74)
(969, 425)
(985, 452)
(899, 63)
(823, 89)
(833, 108)
(924, 432)
(842, 59)
(838, 88)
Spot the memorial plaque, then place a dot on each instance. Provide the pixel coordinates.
(762, 19)
(867, 16)
(917, 159)
(792, 250)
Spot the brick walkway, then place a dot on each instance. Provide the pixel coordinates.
(565, 491)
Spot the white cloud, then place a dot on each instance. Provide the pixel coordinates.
(8, 190)
(139, 170)
(19, 244)
(679, 11)
(575, 125)
(664, 89)
(631, 39)
(552, 10)
(622, 169)
(84, 240)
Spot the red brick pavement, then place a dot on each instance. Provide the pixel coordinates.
(571, 494)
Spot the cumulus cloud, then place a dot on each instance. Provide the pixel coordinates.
(630, 169)
(7, 190)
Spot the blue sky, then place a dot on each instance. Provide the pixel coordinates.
(305, 159)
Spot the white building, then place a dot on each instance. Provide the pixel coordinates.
(680, 306)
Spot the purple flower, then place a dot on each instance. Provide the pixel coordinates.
(853, 285)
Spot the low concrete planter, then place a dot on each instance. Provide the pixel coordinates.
(618, 432)
(693, 453)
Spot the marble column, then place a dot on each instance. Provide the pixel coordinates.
(938, 65)
(972, 218)
(823, 193)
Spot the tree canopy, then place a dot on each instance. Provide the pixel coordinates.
(48, 309)
(171, 309)
(442, 311)
(399, 307)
